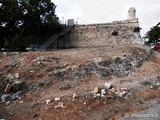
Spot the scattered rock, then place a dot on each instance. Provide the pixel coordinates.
(95, 91)
(108, 85)
(5, 53)
(37, 85)
(98, 60)
(1, 61)
(8, 88)
(10, 77)
(22, 65)
(126, 115)
(15, 53)
(130, 96)
(8, 102)
(103, 93)
(121, 94)
(59, 73)
(17, 75)
(22, 60)
(11, 64)
(16, 95)
(41, 58)
(48, 101)
(65, 86)
(88, 68)
(157, 84)
(98, 95)
(123, 89)
(74, 96)
(60, 105)
(146, 83)
(151, 87)
(38, 62)
(57, 99)
(21, 102)
(5, 97)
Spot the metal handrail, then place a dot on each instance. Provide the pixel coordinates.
(55, 37)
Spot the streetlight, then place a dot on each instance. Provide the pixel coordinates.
(77, 21)
(63, 20)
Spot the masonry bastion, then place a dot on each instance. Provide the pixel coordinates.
(125, 32)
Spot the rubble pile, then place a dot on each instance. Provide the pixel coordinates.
(119, 66)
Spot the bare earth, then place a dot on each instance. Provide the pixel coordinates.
(142, 85)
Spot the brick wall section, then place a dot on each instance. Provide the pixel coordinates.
(101, 34)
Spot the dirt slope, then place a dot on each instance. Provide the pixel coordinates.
(32, 83)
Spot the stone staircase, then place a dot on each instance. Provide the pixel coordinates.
(54, 38)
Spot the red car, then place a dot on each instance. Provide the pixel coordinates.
(156, 47)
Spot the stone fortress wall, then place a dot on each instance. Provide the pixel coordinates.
(103, 34)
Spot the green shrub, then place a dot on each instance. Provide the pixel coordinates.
(114, 33)
(137, 29)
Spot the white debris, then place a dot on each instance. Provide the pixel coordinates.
(48, 101)
(74, 96)
(8, 102)
(17, 75)
(157, 84)
(151, 87)
(98, 60)
(22, 60)
(60, 105)
(31, 71)
(108, 85)
(21, 102)
(98, 94)
(17, 82)
(8, 88)
(41, 58)
(123, 89)
(95, 91)
(38, 62)
(4, 53)
(22, 65)
(10, 77)
(103, 93)
(57, 99)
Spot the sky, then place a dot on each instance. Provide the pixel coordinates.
(104, 11)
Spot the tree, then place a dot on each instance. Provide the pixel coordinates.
(8, 19)
(154, 33)
(27, 17)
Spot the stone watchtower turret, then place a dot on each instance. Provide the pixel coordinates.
(131, 13)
